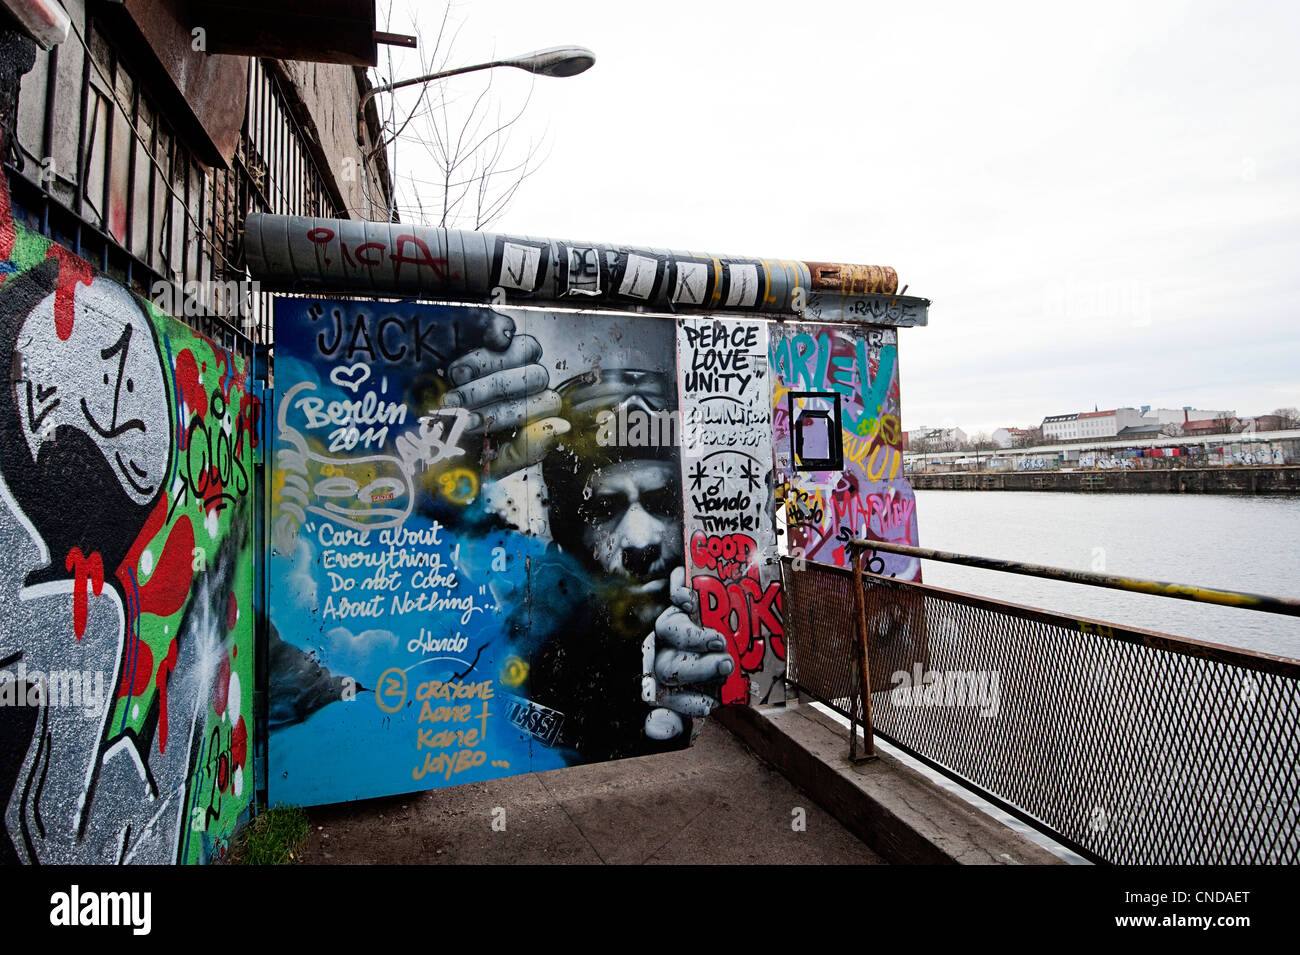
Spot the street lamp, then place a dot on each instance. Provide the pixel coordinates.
(554, 61)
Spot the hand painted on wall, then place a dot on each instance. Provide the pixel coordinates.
(126, 445)
(836, 421)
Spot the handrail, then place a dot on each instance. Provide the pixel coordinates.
(1289, 606)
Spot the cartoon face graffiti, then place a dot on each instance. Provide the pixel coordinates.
(85, 427)
(104, 380)
(100, 579)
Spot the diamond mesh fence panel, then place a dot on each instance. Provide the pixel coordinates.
(1131, 746)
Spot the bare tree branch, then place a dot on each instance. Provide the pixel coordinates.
(464, 138)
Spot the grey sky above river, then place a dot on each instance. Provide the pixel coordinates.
(1100, 201)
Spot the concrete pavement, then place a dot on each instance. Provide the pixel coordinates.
(715, 802)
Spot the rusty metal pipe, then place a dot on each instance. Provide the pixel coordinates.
(355, 257)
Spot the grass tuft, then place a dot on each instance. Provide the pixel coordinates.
(274, 837)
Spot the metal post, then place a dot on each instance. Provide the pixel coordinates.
(864, 670)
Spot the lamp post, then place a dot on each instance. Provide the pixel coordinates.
(554, 61)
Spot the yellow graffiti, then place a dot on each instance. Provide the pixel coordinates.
(459, 485)
(890, 429)
(855, 449)
(884, 459)
(784, 265)
(515, 671)
(390, 692)
(804, 507)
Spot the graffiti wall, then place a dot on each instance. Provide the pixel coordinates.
(126, 571)
(478, 566)
(730, 514)
(837, 443)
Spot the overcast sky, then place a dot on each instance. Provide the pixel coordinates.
(1101, 202)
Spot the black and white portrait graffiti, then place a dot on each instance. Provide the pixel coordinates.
(614, 647)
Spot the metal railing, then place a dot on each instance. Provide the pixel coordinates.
(1125, 745)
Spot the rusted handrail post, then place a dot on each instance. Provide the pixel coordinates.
(864, 669)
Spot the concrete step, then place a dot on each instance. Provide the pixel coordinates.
(902, 815)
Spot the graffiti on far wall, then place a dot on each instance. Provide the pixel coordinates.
(837, 442)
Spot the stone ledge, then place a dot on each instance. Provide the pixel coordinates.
(900, 814)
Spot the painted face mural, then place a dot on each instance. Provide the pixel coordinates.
(615, 501)
(126, 585)
(515, 599)
(629, 525)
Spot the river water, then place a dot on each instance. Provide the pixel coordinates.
(1234, 543)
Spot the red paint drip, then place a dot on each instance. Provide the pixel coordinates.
(72, 271)
(136, 668)
(239, 743)
(221, 687)
(85, 570)
(250, 409)
(164, 671)
(8, 234)
(187, 376)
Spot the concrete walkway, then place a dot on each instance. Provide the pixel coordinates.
(715, 802)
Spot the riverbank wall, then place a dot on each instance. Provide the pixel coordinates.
(1276, 479)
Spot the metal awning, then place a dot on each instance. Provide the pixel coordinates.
(320, 31)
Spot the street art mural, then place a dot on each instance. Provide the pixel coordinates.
(730, 524)
(837, 444)
(126, 640)
(478, 566)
